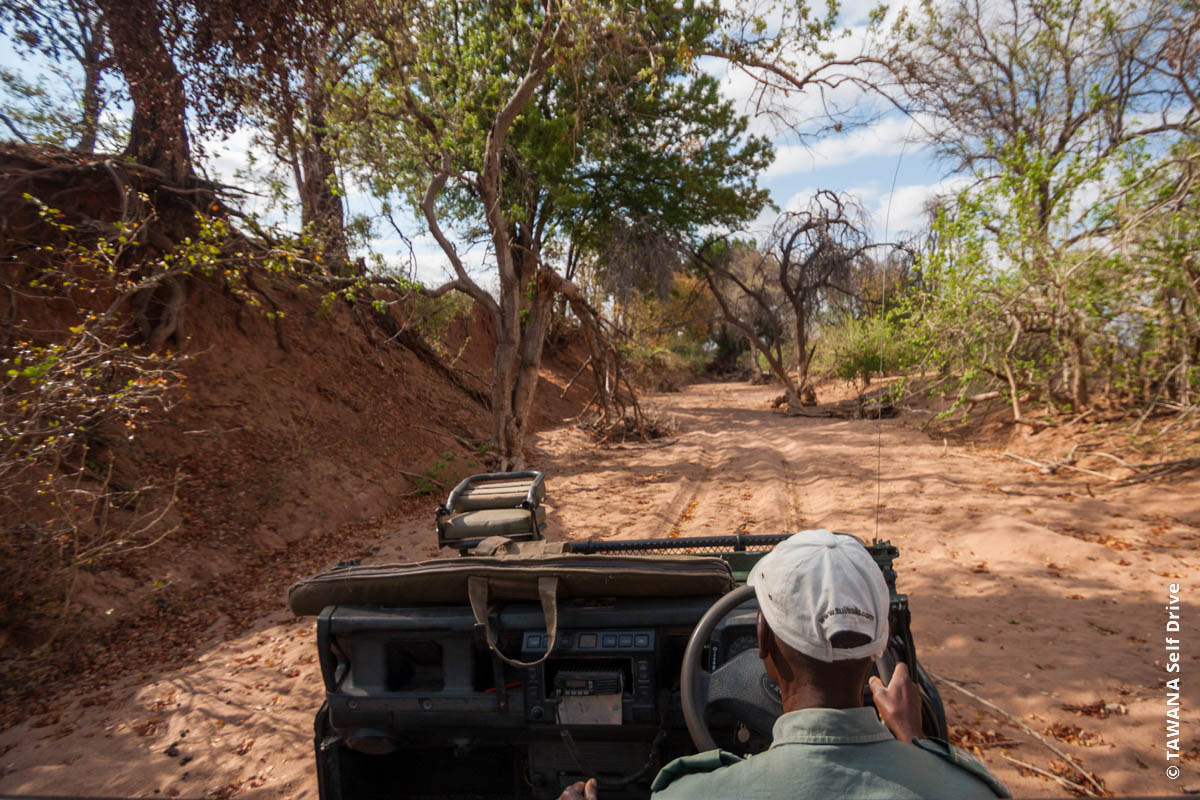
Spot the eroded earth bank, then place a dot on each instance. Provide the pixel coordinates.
(1042, 594)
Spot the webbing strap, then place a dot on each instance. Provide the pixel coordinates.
(477, 593)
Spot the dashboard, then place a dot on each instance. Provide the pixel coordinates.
(417, 706)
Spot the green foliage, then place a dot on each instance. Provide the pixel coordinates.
(70, 397)
(660, 369)
(1059, 275)
(440, 476)
(857, 349)
(47, 111)
(665, 341)
(611, 132)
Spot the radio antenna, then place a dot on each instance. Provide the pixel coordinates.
(887, 218)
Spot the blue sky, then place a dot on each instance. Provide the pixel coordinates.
(860, 161)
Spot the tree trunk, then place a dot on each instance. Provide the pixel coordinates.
(533, 338)
(802, 354)
(321, 209)
(755, 368)
(504, 432)
(1079, 387)
(90, 123)
(774, 361)
(158, 134)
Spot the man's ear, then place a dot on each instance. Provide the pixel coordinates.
(765, 636)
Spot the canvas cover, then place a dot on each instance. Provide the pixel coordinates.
(512, 576)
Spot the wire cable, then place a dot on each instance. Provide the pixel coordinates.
(887, 219)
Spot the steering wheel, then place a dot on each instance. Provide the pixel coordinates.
(739, 686)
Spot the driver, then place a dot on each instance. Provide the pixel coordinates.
(823, 616)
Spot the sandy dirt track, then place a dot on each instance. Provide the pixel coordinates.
(1033, 591)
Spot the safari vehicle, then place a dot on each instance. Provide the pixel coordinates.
(525, 665)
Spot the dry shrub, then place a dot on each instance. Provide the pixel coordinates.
(640, 426)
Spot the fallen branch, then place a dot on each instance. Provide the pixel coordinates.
(998, 743)
(1052, 467)
(1066, 784)
(1182, 416)
(1024, 727)
(814, 414)
(1160, 470)
(975, 399)
(1029, 461)
(575, 377)
(1111, 457)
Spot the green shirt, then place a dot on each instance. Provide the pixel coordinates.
(826, 752)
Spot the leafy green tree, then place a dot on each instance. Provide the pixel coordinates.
(535, 127)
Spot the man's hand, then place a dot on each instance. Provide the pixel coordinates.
(898, 703)
(580, 791)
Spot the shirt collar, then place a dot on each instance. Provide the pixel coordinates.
(830, 726)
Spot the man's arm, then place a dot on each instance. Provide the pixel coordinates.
(899, 704)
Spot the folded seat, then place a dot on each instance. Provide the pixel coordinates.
(507, 504)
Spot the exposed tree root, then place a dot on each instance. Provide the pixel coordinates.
(407, 338)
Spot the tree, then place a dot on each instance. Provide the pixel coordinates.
(535, 127)
(818, 251)
(66, 29)
(158, 133)
(1056, 109)
(742, 280)
(289, 92)
(812, 255)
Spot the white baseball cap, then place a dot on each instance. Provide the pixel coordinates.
(816, 584)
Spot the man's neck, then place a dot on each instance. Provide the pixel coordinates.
(800, 697)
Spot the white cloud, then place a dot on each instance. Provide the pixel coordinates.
(904, 210)
(887, 137)
(799, 199)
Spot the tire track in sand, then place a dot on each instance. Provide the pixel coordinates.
(795, 520)
(748, 486)
(682, 506)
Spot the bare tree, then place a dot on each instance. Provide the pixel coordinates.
(818, 251)
(812, 255)
(744, 282)
(65, 29)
